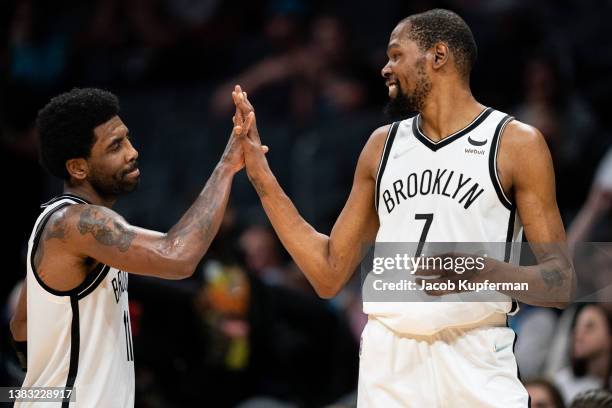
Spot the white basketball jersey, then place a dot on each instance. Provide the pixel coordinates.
(79, 338)
(446, 191)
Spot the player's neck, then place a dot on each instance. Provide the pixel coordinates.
(445, 114)
(87, 192)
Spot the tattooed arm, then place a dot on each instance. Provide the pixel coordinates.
(526, 169)
(100, 233)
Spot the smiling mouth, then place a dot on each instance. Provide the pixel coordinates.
(135, 172)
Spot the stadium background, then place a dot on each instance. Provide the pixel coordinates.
(248, 324)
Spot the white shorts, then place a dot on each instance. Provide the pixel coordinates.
(453, 368)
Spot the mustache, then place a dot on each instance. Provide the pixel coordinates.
(132, 167)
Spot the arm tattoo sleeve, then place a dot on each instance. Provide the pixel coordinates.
(552, 278)
(105, 228)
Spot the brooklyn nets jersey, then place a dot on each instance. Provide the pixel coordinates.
(446, 191)
(79, 338)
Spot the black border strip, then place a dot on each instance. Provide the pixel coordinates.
(95, 282)
(510, 234)
(75, 343)
(129, 334)
(493, 162)
(514, 308)
(416, 129)
(35, 243)
(95, 276)
(383, 160)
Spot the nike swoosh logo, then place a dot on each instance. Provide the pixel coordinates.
(477, 142)
(497, 350)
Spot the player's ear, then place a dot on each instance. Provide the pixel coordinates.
(77, 168)
(441, 54)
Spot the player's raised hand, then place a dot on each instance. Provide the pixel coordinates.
(238, 115)
(233, 156)
(254, 153)
(243, 108)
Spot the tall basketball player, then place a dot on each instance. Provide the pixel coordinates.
(80, 251)
(434, 354)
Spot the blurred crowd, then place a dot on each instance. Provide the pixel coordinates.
(247, 330)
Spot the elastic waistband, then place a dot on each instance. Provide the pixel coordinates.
(493, 320)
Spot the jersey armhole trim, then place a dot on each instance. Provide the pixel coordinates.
(383, 160)
(493, 162)
(64, 196)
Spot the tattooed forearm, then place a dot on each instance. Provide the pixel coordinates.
(552, 278)
(202, 220)
(105, 228)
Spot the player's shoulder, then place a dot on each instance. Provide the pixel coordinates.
(520, 134)
(521, 141)
(373, 148)
(79, 217)
(372, 152)
(380, 134)
(377, 138)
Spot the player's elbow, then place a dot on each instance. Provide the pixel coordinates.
(181, 270)
(173, 260)
(569, 294)
(327, 290)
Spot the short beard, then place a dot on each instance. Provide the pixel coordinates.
(112, 188)
(404, 105)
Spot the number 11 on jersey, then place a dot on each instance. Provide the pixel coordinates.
(128, 336)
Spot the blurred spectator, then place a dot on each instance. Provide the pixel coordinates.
(534, 327)
(596, 206)
(543, 394)
(39, 43)
(593, 399)
(321, 75)
(240, 339)
(262, 254)
(591, 354)
(564, 119)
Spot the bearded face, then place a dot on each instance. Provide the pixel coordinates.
(114, 182)
(112, 164)
(406, 102)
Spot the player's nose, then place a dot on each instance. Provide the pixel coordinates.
(386, 71)
(132, 153)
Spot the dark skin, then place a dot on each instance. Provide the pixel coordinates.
(524, 166)
(83, 235)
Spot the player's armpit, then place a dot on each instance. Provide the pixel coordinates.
(527, 162)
